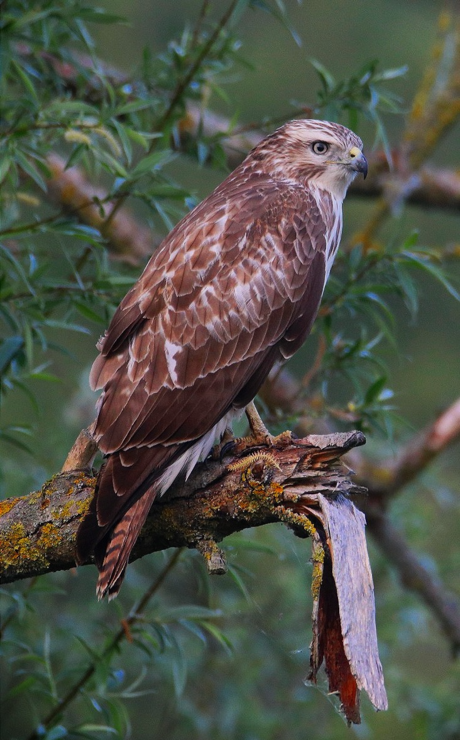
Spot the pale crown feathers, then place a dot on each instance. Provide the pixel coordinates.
(321, 154)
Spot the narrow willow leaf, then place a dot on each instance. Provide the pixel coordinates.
(148, 163)
(9, 348)
(30, 169)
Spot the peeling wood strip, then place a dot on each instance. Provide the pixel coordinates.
(355, 590)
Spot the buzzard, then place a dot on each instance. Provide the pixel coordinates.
(232, 290)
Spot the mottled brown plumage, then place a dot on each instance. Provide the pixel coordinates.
(233, 289)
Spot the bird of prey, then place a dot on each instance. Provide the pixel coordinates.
(232, 290)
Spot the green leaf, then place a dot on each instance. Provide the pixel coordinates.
(168, 191)
(5, 163)
(99, 15)
(27, 683)
(408, 288)
(133, 107)
(112, 164)
(48, 377)
(124, 139)
(9, 348)
(221, 638)
(189, 611)
(392, 74)
(30, 169)
(373, 391)
(137, 137)
(424, 263)
(110, 280)
(82, 730)
(75, 156)
(25, 79)
(56, 324)
(148, 163)
(56, 733)
(325, 76)
(71, 106)
(88, 312)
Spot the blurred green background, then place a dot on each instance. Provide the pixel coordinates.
(255, 692)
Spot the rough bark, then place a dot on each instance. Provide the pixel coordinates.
(37, 532)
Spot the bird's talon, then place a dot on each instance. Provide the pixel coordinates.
(227, 449)
(225, 445)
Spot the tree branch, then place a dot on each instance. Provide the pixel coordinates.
(386, 479)
(37, 532)
(301, 485)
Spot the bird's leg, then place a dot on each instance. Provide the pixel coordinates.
(259, 436)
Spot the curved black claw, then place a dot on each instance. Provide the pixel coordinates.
(227, 448)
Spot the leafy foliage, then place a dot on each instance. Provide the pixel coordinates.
(363, 94)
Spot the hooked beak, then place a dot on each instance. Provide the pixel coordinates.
(358, 161)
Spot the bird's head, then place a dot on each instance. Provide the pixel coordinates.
(327, 155)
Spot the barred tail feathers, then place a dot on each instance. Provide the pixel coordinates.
(154, 471)
(122, 541)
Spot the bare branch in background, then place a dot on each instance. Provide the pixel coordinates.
(414, 576)
(434, 111)
(410, 182)
(127, 240)
(422, 449)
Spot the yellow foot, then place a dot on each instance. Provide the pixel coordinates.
(241, 444)
(260, 436)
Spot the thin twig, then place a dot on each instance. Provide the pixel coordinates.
(199, 22)
(185, 82)
(120, 635)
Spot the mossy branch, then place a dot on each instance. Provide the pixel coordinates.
(37, 532)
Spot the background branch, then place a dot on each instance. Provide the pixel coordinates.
(413, 575)
(409, 181)
(70, 189)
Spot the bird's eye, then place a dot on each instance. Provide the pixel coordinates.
(320, 147)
